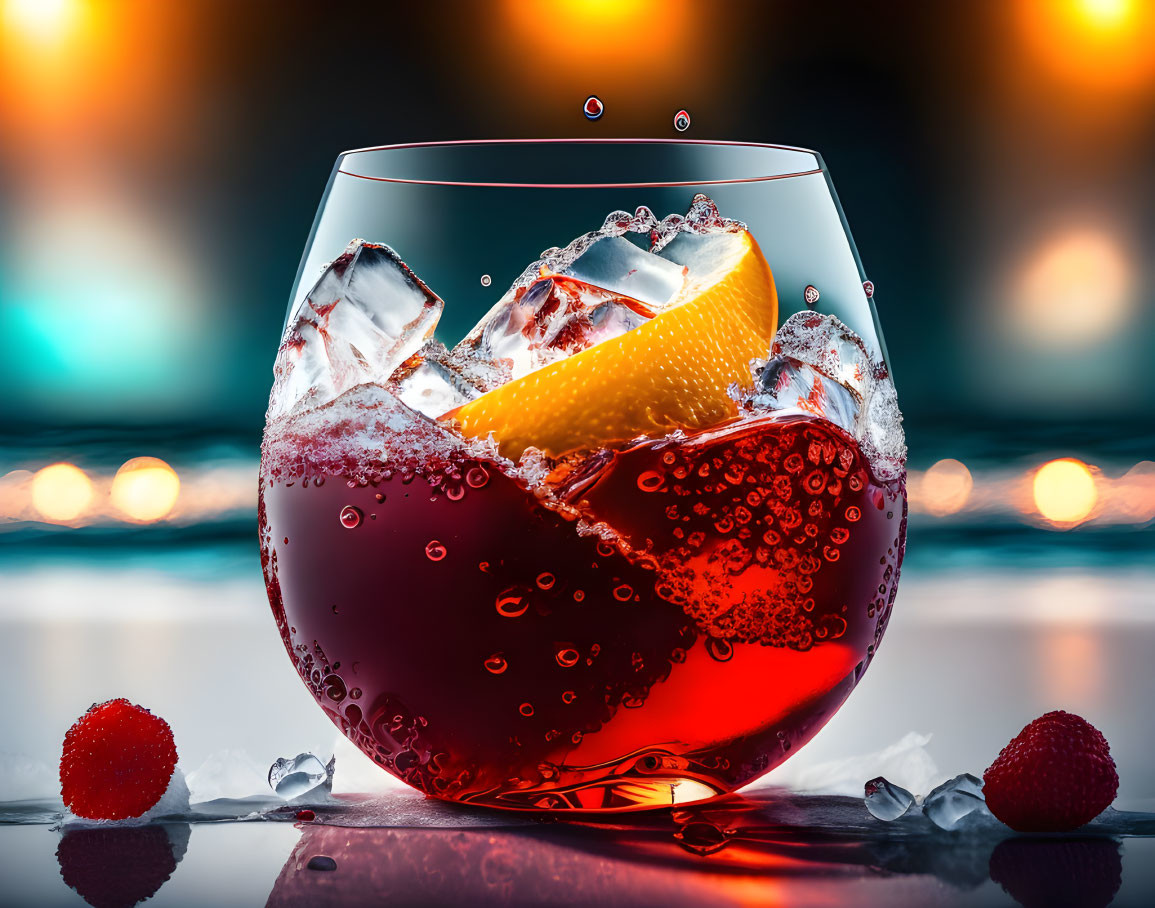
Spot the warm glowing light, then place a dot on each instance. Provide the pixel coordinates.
(61, 491)
(1076, 288)
(945, 487)
(1107, 13)
(41, 20)
(1096, 44)
(1064, 491)
(145, 488)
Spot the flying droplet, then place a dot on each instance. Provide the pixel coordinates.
(350, 517)
(435, 551)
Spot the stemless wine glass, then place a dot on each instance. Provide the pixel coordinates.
(614, 526)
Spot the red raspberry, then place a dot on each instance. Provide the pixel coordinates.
(1057, 774)
(117, 762)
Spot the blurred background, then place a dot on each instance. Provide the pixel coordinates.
(160, 167)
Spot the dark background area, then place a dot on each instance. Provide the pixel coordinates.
(162, 165)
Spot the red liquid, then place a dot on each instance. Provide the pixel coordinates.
(468, 639)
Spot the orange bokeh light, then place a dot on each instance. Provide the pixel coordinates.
(61, 492)
(145, 489)
(1077, 287)
(945, 487)
(1064, 491)
(1092, 44)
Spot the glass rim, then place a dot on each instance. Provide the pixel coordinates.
(459, 143)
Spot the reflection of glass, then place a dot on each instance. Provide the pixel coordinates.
(586, 611)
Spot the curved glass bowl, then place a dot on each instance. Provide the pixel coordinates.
(653, 619)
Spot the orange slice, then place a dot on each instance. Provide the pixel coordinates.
(673, 372)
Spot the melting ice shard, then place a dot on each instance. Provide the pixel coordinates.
(366, 315)
(301, 775)
(886, 801)
(956, 802)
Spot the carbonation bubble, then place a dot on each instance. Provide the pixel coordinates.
(526, 709)
(852, 513)
(604, 548)
(567, 657)
(350, 517)
(355, 693)
(839, 535)
(511, 603)
(434, 551)
(623, 592)
(496, 664)
(454, 492)
(719, 649)
(650, 481)
(568, 696)
(578, 595)
(476, 477)
(546, 580)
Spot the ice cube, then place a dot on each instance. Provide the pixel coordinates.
(303, 774)
(785, 383)
(433, 383)
(955, 803)
(551, 319)
(615, 264)
(819, 365)
(366, 315)
(886, 801)
(702, 254)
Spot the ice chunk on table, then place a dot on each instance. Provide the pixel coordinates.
(366, 315)
(886, 801)
(551, 319)
(955, 803)
(303, 774)
(615, 264)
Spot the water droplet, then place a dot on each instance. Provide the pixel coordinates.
(719, 649)
(650, 481)
(546, 580)
(623, 592)
(526, 709)
(286, 540)
(350, 517)
(476, 477)
(567, 657)
(852, 513)
(511, 603)
(379, 497)
(839, 535)
(496, 664)
(355, 693)
(568, 696)
(454, 492)
(578, 595)
(434, 551)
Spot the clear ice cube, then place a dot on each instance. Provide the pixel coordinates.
(820, 366)
(956, 802)
(885, 800)
(433, 383)
(552, 318)
(702, 254)
(366, 315)
(615, 264)
(303, 774)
